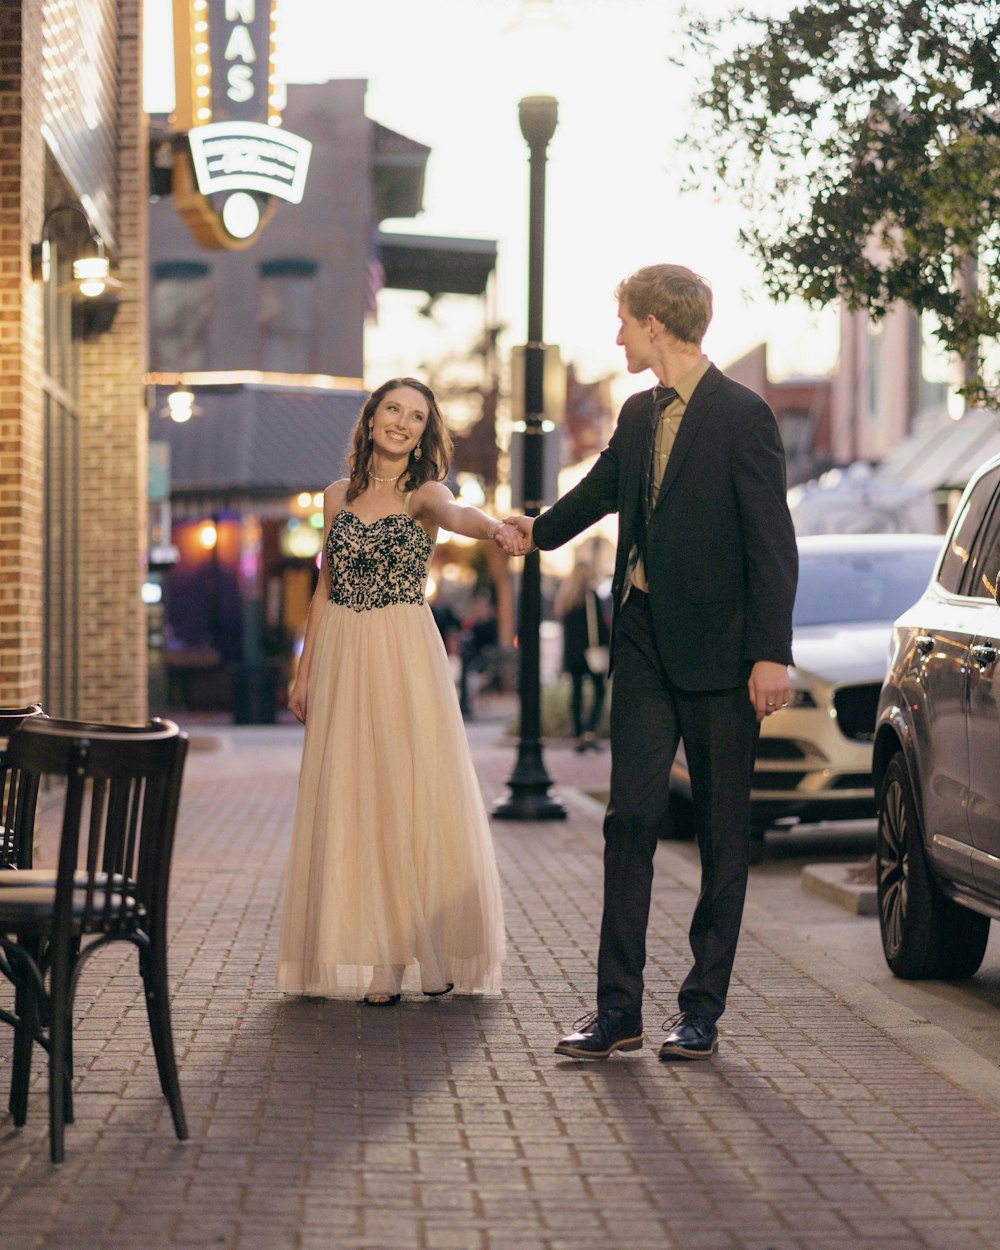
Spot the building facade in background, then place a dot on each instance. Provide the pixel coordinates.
(73, 175)
(268, 340)
(890, 378)
(802, 407)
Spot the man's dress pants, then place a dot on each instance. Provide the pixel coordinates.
(649, 714)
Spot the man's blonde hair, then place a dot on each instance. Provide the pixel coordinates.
(678, 298)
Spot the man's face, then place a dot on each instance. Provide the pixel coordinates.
(634, 336)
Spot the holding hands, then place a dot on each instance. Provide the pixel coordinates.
(509, 537)
(524, 526)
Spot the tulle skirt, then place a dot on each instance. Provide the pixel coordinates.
(392, 873)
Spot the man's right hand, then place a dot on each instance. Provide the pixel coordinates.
(525, 524)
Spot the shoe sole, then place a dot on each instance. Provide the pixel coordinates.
(680, 1053)
(626, 1044)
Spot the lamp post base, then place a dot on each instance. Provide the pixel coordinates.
(529, 783)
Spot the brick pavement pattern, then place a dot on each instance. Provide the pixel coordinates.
(448, 1124)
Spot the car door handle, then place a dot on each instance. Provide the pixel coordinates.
(984, 656)
(924, 643)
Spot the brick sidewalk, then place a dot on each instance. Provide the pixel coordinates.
(321, 1125)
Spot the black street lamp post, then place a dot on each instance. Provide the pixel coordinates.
(529, 783)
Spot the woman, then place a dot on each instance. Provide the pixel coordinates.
(392, 882)
(584, 626)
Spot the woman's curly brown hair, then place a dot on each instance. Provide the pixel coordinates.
(435, 442)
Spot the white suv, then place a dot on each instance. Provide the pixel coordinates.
(814, 757)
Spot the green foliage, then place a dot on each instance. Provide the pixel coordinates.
(864, 140)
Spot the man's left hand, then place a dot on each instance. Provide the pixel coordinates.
(769, 687)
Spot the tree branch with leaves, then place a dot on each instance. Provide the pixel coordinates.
(864, 142)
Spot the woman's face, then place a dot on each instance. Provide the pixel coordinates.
(399, 421)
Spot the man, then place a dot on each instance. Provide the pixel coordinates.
(703, 591)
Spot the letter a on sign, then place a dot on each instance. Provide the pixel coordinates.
(240, 46)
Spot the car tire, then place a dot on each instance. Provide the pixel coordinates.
(680, 825)
(925, 935)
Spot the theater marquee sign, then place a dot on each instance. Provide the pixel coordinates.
(238, 162)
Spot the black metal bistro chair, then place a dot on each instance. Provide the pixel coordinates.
(12, 854)
(119, 811)
(15, 853)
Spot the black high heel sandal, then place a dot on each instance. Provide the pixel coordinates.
(440, 993)
(380, 1000)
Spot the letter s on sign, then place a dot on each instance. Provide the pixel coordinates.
(240, 79)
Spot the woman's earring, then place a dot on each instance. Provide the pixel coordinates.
(417, 453)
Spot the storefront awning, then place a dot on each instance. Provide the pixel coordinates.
(256, 440)
(398, 167)
(945, 455)
(439, 266)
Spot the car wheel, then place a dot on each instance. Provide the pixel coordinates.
(924, 934)
(680, 819)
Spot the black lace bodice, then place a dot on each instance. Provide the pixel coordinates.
(376, 565)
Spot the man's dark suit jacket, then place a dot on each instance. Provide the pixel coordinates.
(720, 553)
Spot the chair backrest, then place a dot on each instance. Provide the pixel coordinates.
(12, 853)
(122, 789)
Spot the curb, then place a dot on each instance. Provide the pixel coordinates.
(834, 883)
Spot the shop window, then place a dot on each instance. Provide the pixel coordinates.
(286, 316)
(798, 427)
(180, 313)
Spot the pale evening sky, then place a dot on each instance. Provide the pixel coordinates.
(444, 72)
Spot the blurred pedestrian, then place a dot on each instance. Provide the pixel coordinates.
(479, 649)
(392, 882)
(585, 649)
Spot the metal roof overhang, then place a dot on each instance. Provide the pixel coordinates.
(398, 168)
(945, 455)
(439, 266)
(256, 441)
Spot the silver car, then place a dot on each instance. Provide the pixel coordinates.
(937, 755)
(814, 757)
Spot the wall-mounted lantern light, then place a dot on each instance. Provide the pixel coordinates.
(180, 405)
(94, 289)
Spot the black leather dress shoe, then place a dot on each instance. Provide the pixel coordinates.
(602, 1034)
(690, 1037)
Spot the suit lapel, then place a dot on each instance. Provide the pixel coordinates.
(702, 402)
(638, 460)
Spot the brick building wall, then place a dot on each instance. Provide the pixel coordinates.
(108, 629)
(22, 194)
(113, 438)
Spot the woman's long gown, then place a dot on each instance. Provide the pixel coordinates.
(392, 861)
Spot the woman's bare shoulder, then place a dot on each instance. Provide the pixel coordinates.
(336, 492)
(431, 492)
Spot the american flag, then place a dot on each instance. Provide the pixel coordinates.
(376, 280)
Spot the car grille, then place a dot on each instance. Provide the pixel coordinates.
(856, 707)
(777, 781)
(852, 781)
(779, 749)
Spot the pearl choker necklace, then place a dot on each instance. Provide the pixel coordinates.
(384, 479)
